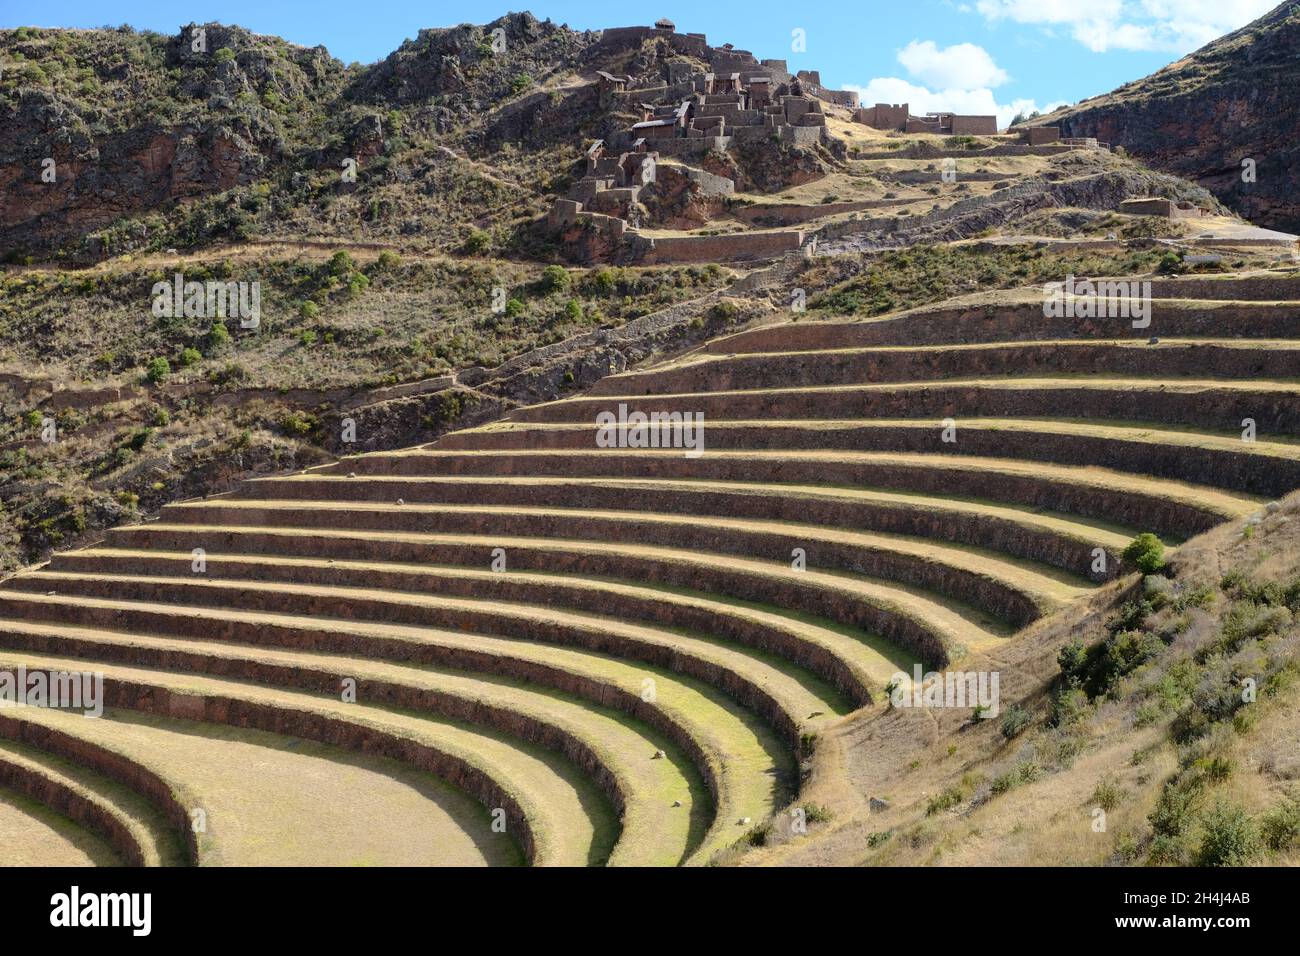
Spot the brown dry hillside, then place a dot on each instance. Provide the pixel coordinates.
(1155, 724)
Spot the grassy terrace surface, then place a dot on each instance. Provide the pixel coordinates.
(571, 822)
(845, 507)
(1069, 489)
(1249, 358)
(89, 814)
(1266, 466)
(635, 648)
(767, 539)
(719, 729)
(34, 835)
(654, 831)
(270, 798)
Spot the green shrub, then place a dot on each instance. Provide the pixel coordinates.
(556, 279)
(218, 336)
(388, 260)
(1229, 838)
(946, 800)
(1171, 263)
(190, 357)
(1280, 827)
(1107, 794)
(341, 264)
(477, 241)
(816, 813)
(307, 338)
(573, 309)
(514, 308)
(1069, 706)
(1014, 721)
(298, 423)
(357, 284)
(158, 370)
(1244, 622)
(1004, 783)
(725, 312)
(602, 281)
(1175, 809)
(308, 309)
(1146, 552)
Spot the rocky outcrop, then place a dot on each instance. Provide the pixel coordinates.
(766, 166)
(74, 160)
(685, 198)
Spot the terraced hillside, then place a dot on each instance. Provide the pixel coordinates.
(623, 655)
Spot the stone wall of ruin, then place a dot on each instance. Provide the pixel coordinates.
(734, 248)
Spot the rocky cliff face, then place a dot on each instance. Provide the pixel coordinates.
(1200, 118)
(102, 125)
(100, 130)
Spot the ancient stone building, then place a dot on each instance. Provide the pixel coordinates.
(898, 118)
(685, 114)
(1164, 208)
(1040, 135)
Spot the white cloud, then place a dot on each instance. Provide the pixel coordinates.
(964, 65)
(922, 100)
(1175, 26)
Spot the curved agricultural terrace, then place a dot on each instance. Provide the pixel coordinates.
(519, 646)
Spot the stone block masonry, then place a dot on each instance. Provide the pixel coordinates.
(741, 247)
(898, 118)
(1164, 208)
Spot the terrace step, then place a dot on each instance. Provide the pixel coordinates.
(894, 624)
(1262, 467)
(895, 610)
(1207, 405)
(552, 809)
(722, 738)
(732, 749)
(1132, 358)
(1023, 321)
(1015, 592)
(1021, 532)
(702, 641)
(136, 787)
(615, 750)
(96, 804)
(243, 796)
(1166, 507)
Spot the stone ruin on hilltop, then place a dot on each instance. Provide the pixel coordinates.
(690, 114)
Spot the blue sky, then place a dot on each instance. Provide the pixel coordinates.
(974, 56)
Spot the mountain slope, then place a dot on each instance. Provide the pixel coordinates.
(1201, 116)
